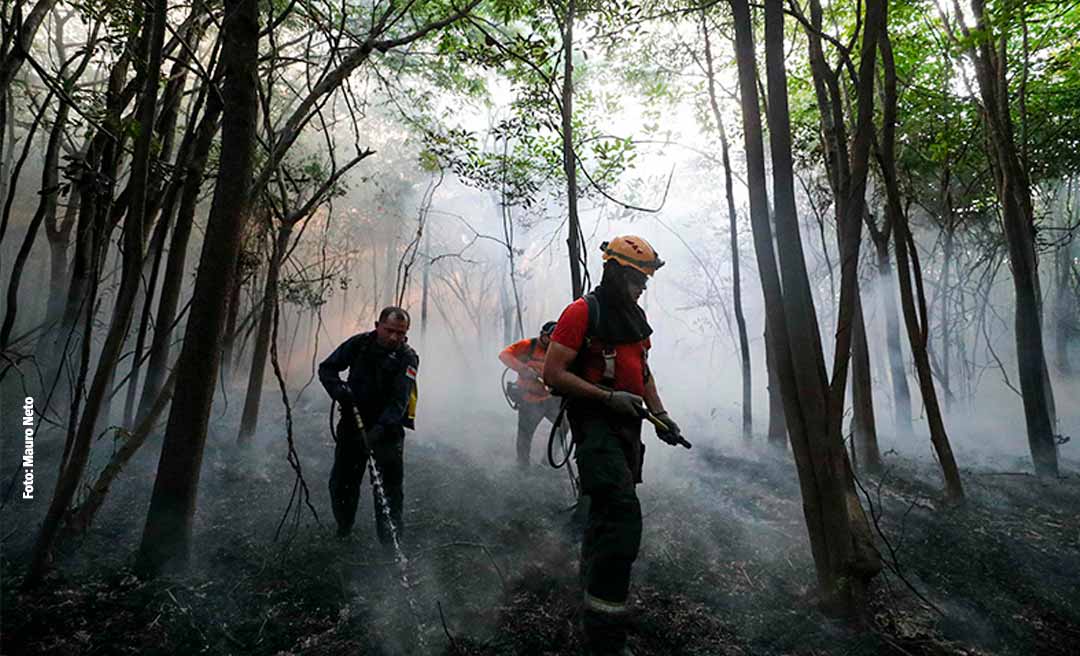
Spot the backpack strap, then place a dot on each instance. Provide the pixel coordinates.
(607, 351)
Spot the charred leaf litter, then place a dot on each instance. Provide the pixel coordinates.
(491, 566)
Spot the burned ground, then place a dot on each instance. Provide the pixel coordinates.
(724, 569)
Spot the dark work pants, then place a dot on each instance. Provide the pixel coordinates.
(529, 415)
(609, 455)
(351, 459)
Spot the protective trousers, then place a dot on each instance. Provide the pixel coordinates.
(351, 459)
(609, 456)
(529, 415)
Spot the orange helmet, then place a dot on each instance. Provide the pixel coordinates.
(634, 252)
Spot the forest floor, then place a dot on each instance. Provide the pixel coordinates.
(724, 568)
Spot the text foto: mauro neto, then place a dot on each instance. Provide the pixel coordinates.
(28, 448)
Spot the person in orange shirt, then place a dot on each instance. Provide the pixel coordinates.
(526, 357)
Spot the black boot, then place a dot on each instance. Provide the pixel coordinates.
(604, 634)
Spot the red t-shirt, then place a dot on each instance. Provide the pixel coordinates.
(629, 358)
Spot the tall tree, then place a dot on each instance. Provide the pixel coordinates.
(831, 101)
(916, 320)
(844, 555)
(844, 181)
(569, 163)
(287, 222)
(736, 280)
(167, 536)
(153, 32)
(987, 47)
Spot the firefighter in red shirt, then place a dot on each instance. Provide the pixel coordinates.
(598, 360)
(526, 357)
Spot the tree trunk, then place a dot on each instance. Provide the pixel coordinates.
(96, 181)
(250, 419)
(573, 240)
(71, 475)
(1014, 196)
(917, 336)
(59, 236)
(167, 536)
(82, 516)
(174, 264)
(863, 428)
(230, 359)
(946, 320)
(143, 306)
(388, 272)
(897, 369)
(13, 54)
(736, 281)
(426, 287)
(506, 310)
(778, 436)
(169, 195)
(843, 562)
(907, 268)
(46, 209)
(1065, 303)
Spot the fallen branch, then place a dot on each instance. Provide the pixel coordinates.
(893, 564)
(449, 636)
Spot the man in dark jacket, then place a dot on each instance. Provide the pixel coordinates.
(598, 359)
(381, 389)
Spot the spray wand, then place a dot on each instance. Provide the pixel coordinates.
(644, 413)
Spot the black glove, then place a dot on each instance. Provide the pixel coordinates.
(624, 403)
(342, 393)
(671, 433)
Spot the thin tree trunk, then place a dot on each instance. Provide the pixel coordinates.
(250, 419)
(1065, 310)
(946, 320)
(569, 165)
(863, 427)
(1014, 196)
(68, 482)
(917, 335)
(178, 246)
(167, 535)
(59, 236)
(425, 286)
(230, 361)
(778, 435)
(15, 48)
(736, 281)
(907, 269)
(506, 311)
(46, 208)
(388, 271)
(143, 309)
(169, 196)
(97, 176)
(7, 143)
(843, 562)
(13, 181)
(897, 369)
(83, 515)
